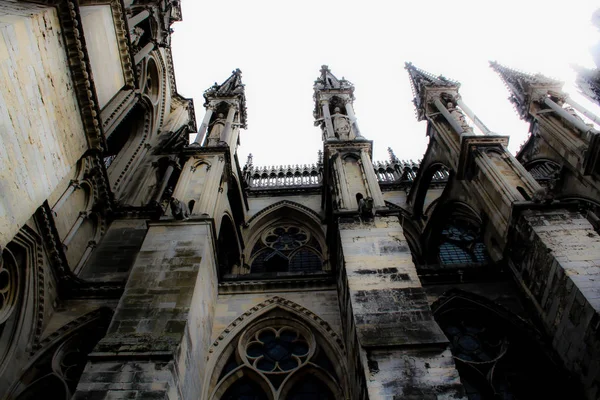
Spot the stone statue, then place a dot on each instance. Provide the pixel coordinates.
(365, 207)
(216, 129)
(341, 125)
(179, 210)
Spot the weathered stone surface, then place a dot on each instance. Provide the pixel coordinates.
(167, 308)
(115, 255)
(41, 133)
(386, 308)
(415, 374)
(389, 305)
(557, 256)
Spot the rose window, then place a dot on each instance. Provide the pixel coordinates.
(277, 350)
(285, 238)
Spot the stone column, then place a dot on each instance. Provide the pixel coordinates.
(140, 55)
(352, 117)
(227, 129)
(453, 122)
(86, 255)
(579, 124)
(164, 182)
(73, 185)
(328, 124)
(555, 254)
(136, 19)
(342, 192)
(204, 125)
(82, 216)
(473, 117)
(371, 179)
(582, 110)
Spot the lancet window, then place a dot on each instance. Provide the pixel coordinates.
(278, 358)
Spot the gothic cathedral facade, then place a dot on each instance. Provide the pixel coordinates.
(137, 265)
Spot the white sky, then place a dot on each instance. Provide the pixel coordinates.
(280, 46)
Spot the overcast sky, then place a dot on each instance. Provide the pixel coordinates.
(280, 46)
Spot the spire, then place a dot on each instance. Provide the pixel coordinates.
(420, 79)
(328, 81)
(588, 82)
(232, 87)
(521, 86)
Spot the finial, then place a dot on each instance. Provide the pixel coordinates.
(248, 161)
(393, 157)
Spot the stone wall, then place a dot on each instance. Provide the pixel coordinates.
(323, 303)
(164, 318)
(556, 255)
(114, 256)
(41, 133)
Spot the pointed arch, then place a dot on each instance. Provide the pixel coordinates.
(61, 358)
(435, 171)
(229, 254)
(285, 220)
(286, 203)
(454, 235)
(498, 353)
(324, 348)
(242, 321)
(22, 311)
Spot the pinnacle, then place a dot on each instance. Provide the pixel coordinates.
(231, 86)
(520, 83)
(419, 79)
(329, 81)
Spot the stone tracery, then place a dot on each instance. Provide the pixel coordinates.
(278, 356)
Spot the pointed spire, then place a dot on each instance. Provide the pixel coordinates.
(328, 81)
(419, 80)
(232, 87)
(521, 85)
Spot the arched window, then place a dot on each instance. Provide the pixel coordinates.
(286, 248)
(456, 237)
(278, 357)
(461, 244)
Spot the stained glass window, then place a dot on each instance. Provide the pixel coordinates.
(461, 244)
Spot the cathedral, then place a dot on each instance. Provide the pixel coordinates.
(137, 265)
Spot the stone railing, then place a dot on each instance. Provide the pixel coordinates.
(283, 176)
(388, 173)
(400, 171)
